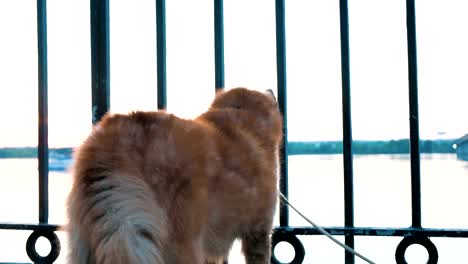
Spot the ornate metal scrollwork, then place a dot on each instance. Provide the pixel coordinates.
(299, 251)
(420, 240)
(54, 247)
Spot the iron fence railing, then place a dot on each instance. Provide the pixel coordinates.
(415, 234)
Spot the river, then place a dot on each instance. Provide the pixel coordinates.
(382, 198)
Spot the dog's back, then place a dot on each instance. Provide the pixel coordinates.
(114, 216)
(154, 188)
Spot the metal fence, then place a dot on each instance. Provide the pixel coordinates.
(415, 234)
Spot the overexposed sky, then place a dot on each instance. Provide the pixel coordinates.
(378, 64)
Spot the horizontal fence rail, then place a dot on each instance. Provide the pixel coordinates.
(100, 63)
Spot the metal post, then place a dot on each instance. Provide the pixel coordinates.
(413, 114)
(161, 52)
(347, 128)
(43, 145)
(282, 102)
(219, 44)
(100, 58)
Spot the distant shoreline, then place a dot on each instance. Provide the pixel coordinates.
(364, 147)
(400, 146)
(31, 152)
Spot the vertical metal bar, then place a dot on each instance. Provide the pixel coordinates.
(161, 52)
(413, 114)
(282, 102)
(219, 44)
(347, 127)
(100, 58)
(43, 145)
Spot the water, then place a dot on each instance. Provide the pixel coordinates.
(382, 199)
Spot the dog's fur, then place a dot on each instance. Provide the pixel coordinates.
(150, 187)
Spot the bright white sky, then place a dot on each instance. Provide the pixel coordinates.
(378, 64)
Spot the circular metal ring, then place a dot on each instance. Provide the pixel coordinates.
(299, 251)
(420, 240)
(54, 246)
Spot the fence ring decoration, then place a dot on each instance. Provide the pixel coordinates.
(54, 246)
(420, 240)
(299, 251)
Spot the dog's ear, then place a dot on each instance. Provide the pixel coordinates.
(270, 94)
(219, 91)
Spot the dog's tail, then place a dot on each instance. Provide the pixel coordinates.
(115, 219)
